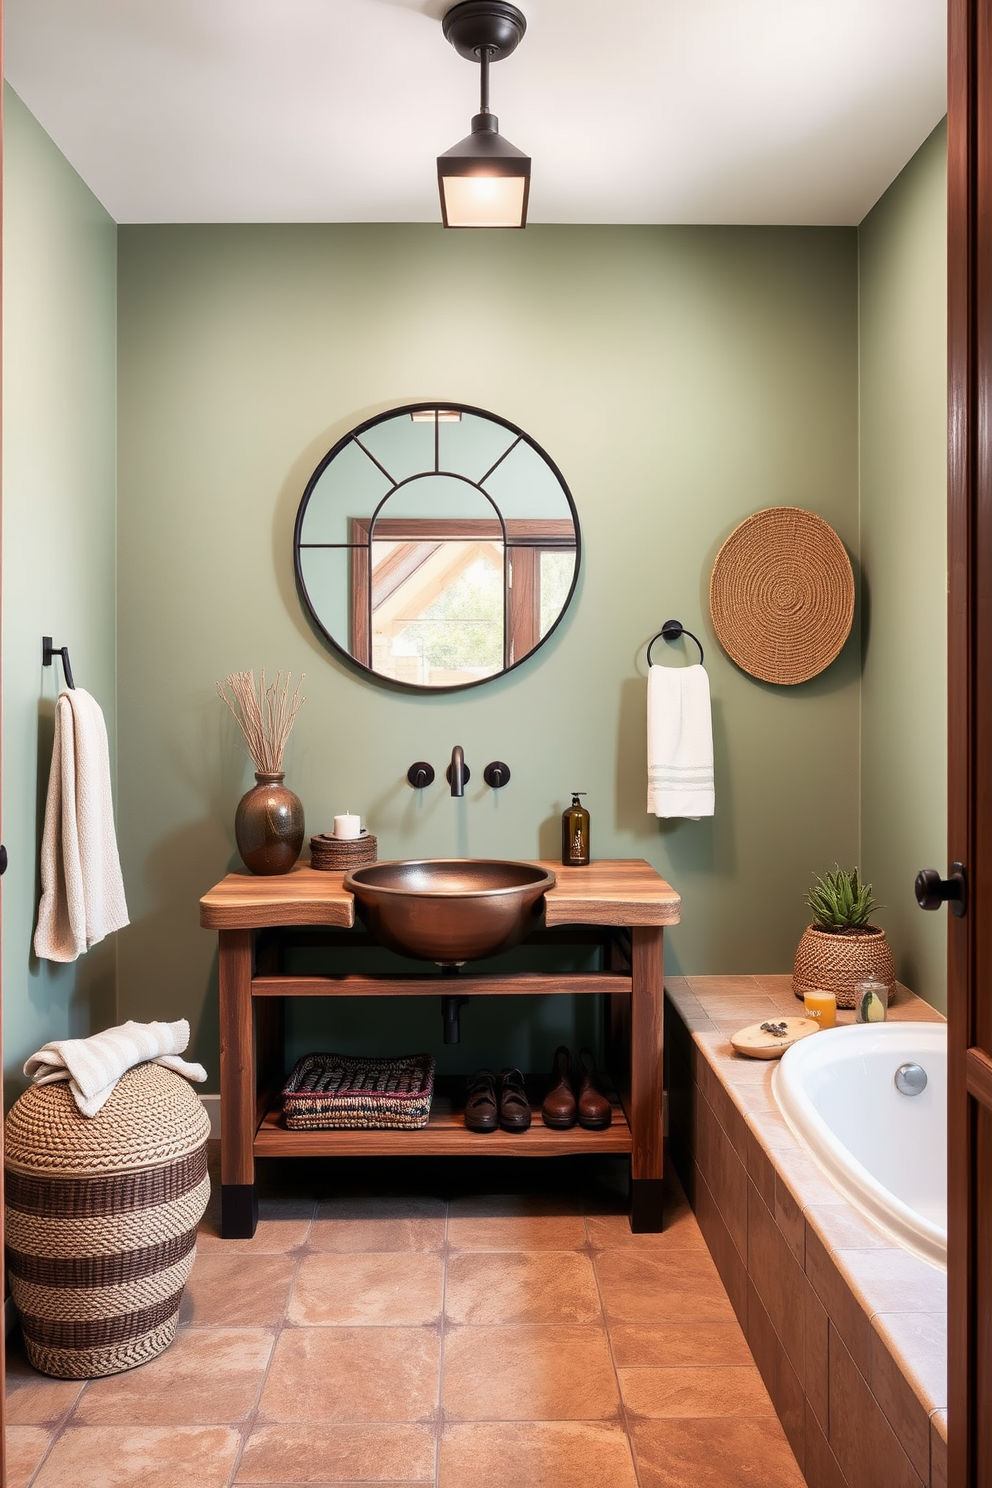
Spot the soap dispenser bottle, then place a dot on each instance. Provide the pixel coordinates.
(575, 833)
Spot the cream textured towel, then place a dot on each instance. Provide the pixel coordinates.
(82, 893)
(680, 742)
(94, 1065)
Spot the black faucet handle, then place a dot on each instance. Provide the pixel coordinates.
(496, 774)
(420, 774)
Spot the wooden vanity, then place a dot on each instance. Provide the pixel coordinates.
(622, 905)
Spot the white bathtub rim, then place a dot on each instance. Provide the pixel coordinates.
(900, 1223)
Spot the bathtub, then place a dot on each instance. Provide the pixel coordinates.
(885, 1151)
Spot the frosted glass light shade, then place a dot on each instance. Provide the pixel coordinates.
(483, 201)
(484, 181)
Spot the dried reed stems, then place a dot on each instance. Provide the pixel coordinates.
(264, 715)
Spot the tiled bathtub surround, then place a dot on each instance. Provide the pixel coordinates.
(384, 1330)
(849, 1333)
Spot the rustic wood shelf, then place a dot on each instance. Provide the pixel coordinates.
(621, 905)
(445, 1136)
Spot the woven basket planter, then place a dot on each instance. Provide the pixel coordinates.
(101, 1216)
(836, 963)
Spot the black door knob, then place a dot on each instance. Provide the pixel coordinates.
(932, 891)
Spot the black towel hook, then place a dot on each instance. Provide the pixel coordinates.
(49, 652)
(670, 631)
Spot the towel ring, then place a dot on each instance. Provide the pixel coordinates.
(670, 631)
(48, 654)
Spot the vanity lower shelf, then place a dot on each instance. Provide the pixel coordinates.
(445, 1136)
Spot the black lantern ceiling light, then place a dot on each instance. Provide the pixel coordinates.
(484, 181)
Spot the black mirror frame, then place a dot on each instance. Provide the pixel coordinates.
(342, 443)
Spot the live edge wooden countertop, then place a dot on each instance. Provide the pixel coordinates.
(610, 891)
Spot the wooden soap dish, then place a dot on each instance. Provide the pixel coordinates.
(758, 1043)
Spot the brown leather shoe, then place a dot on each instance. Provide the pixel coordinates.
(595, 1113)
(481, 1112)
(559, 1109)
(514, 1107)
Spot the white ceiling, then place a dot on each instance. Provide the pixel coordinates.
(708, 111)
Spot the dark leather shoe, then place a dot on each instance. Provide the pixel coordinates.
(514, 1107)
(481, 1112)
(595, 1113)
(559, 1109)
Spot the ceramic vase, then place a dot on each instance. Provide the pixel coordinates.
(268, 825)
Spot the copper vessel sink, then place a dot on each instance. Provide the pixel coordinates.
(450, 909)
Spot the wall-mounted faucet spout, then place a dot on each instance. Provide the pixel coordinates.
(458, 774)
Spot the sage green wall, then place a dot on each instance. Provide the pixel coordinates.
(903, 281)
(682, 378)
(59, 456)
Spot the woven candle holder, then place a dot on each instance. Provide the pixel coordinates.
(782, 595)
(336, 854)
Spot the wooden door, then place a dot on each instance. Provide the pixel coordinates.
(3, 1435)
(970, 741)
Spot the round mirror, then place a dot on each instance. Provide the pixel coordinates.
(436, 545)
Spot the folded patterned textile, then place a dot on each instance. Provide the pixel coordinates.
(94, 1065)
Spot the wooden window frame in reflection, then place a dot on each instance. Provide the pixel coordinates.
(526, 539)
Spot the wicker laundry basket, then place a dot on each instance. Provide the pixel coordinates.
(101, 1216)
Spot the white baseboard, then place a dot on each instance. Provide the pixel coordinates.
(211, 1104)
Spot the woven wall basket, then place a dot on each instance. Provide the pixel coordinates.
(836, 963)
(101, 1216)
(782, 595)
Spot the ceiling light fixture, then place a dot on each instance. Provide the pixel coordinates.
(484, 181)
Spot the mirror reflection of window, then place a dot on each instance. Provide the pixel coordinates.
(436, 545)
(437, 611)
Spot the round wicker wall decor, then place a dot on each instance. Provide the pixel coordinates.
(782, 595)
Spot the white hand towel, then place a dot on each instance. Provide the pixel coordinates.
(82, 893)
(94, 1065)
(680, 742)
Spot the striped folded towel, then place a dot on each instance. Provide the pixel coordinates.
(680, 742)
(94, 1065)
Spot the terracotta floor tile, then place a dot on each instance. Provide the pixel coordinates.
(283, 1225)
(231, 1290)
(152, 1456)
(276, 1455)
(543, 1454)
(379, 1224)
(397, 1289)
(352, 1374)
(518, 1232)
(208, 1375)
(681, 1232)
(715, 1452)
(702, 1390)
(678, 1345)
(531, 1286)
(648, 1287)
(528, 1374)
(34, 1399)
(26, 1445)
(542, 1221)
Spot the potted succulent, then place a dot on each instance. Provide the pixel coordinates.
(841, 947)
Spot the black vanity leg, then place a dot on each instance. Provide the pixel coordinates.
(646, 1205)
(238, 1210)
